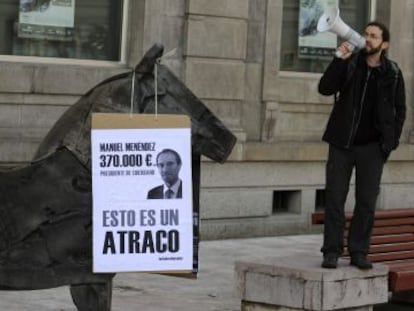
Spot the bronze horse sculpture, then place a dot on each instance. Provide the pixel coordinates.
(46, 207)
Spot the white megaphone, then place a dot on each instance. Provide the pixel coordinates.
(330, 21)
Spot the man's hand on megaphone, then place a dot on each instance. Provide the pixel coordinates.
(344, 51)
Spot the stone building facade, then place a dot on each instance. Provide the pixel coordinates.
(229, 54)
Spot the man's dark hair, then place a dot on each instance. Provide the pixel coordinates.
(175, 153)
(384, 29)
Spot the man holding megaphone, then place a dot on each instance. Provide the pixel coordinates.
(364, 127)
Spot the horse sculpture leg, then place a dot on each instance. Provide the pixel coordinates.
(92, 297)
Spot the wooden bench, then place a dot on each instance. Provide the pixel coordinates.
(392, 243)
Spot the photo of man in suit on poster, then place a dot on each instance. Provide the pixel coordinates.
(169, 165)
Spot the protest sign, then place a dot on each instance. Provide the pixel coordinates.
(139, 224)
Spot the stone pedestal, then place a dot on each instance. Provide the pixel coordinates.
(299, 283)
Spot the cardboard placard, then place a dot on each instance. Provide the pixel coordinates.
(135, 226)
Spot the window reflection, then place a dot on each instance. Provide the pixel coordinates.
(83, 29)
(310, 59)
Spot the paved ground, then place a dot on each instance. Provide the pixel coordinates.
(212, 291)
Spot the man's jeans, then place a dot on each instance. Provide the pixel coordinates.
(368, 161)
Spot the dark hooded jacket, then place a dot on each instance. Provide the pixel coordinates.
(345, 80)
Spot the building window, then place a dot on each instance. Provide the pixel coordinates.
(286, 201)
(80, 29)
(320, 200)
(299, 24)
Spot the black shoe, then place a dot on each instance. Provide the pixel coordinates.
(330, 261)
(360, 261)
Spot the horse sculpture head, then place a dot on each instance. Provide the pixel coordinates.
(72, 131)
